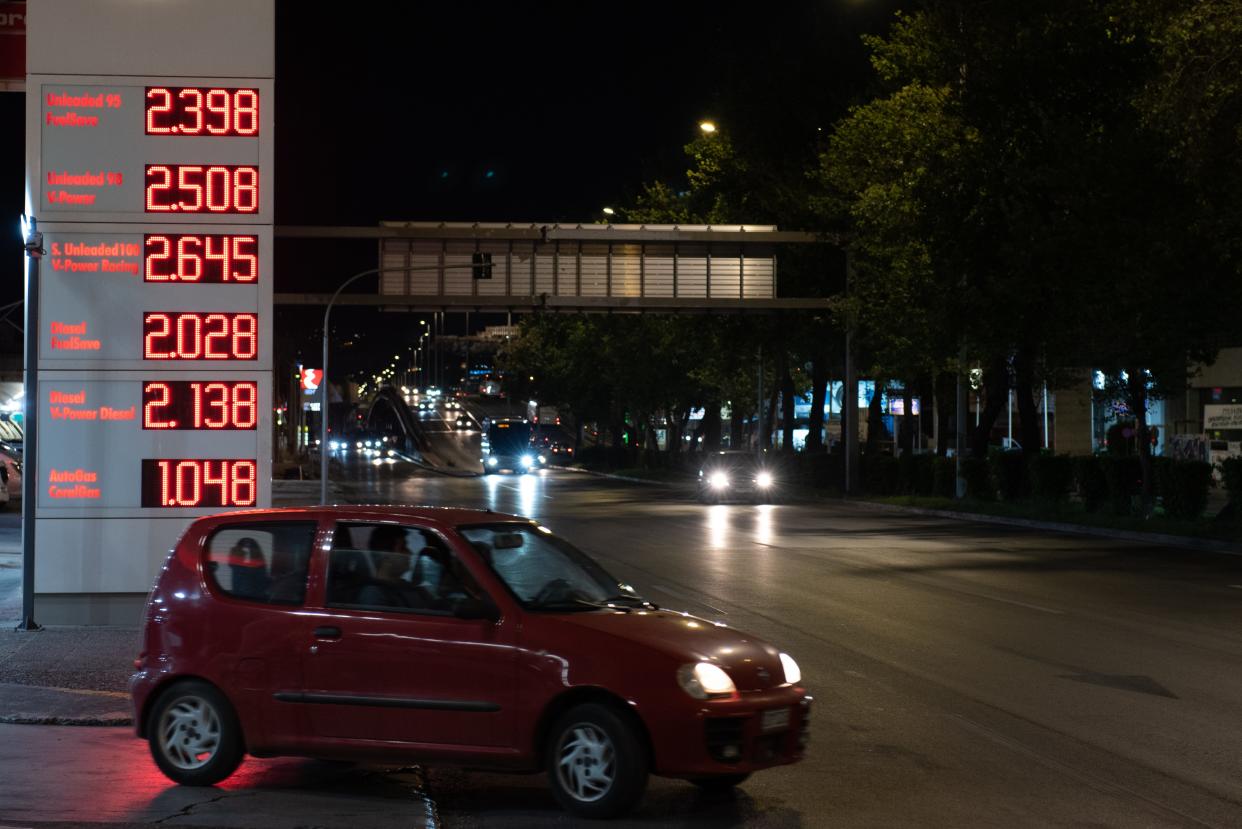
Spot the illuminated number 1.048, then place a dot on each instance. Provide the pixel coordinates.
(199, 482)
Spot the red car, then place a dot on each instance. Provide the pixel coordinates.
(394, 634)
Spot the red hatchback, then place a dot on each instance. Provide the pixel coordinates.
(392, 634)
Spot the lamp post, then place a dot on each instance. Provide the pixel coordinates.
(32, 242)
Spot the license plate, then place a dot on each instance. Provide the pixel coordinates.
(777, 720)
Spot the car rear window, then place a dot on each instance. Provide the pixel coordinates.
(261, 562)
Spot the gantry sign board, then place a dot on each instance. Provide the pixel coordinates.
(149, 169)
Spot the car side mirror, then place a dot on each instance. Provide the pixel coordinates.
(472, 608)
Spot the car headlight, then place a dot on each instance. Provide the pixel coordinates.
(764, 479)
(793, 675)
(718, 480)
(542, 459)
(358, 445)
(527, 460)
(335, 444)
(492, 461)
(704, 680)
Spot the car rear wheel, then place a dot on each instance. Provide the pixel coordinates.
(720, 782)
(597, 765)
(194, 735)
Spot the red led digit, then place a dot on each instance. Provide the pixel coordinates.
(185, 185)
(246, 111)
(249, 257)
(218, 249)
(243, 483)
(246, 189)
(159, 179)
(217, 345)
(245, 405)
(193, 494)
(189, 263)
(159, 102)
(158, 249)
(165, 498)
(245, 337)
(189, 336)
(193, 108)
(219, 103)
(155, 327)
(220, 402)
(156, 396)
(219, 189)
(220, 481)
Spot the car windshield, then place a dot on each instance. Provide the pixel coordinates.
(509, 437)
(545, 572)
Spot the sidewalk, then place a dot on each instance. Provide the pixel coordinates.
(67, 676)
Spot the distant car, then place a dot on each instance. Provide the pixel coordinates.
(552, 441)
(11, 462)
(738, 476)
(463, 422)
(451, 403)
(426, 404)
(399, 635)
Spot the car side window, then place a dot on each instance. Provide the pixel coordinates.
(261, 562)
(395, 567)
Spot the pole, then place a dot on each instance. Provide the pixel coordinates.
(323, 405)
(1046, 442)
(960, 437)
(33, 243)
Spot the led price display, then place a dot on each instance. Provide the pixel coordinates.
(199, 482)
(197, 257)
(197, 188)
(197, 111)
(183, 404)
(189, 335)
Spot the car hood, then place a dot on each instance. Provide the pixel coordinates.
(752, 663)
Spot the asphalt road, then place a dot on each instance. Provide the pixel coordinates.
(964, 675)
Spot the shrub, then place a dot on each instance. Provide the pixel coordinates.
(944, 477)
(1051, 476)
(915, 474)
(925, 474)
(1009, 472)
(1231, 473)
(1124, 477)
(1182, 486)
(978, 475)
(1091, 482)
(880, 474)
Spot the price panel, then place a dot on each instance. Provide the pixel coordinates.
(121, 151)
(118, 299)
(124, 440)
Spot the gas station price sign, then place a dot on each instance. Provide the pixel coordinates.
(192, 152)
(181, 297)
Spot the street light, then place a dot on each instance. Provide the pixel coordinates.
(608, 211)
(707, 127)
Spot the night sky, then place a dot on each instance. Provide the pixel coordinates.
(536, 111)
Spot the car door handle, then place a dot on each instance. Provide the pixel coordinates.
(330, 632)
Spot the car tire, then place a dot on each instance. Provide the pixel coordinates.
(720, 782)
(194, 735)
(597, 764)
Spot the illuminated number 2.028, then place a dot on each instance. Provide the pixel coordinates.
(199, 482)
(187, 335)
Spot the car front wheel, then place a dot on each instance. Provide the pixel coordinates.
(596, 764)
(194, 735)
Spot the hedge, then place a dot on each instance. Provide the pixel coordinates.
(1052, 476)
(1009, 474)
(1182, 486)
(1090, 481)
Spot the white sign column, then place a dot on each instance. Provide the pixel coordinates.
(149, 168)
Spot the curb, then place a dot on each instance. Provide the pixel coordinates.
(1206, 545)
(42, 705)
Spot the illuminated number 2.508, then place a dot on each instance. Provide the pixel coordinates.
(193, 188)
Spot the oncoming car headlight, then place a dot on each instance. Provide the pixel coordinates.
(764, 479)
(527, 460)
(793, 674)
(718, 480)
(492, 461)
(704, 680)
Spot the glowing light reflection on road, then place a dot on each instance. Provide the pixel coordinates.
(718, 526)
(763, 523)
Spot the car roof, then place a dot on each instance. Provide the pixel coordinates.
(442, 516)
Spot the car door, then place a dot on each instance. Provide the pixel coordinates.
(391, 662)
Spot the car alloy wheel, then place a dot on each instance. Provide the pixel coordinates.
(189, 733)
(597, 760)
(194, 735)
